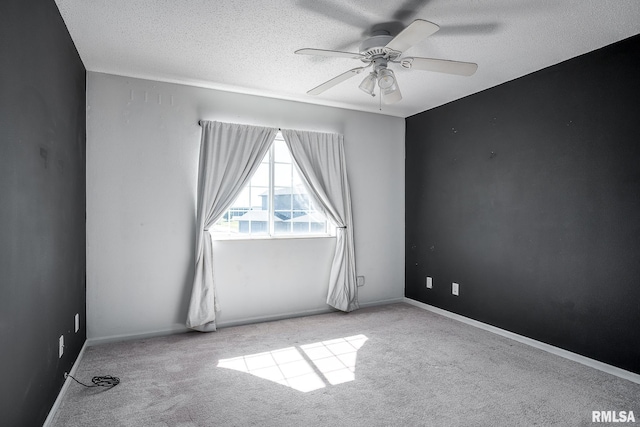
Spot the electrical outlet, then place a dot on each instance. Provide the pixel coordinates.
(60, 346)
(77, 321)
(429, 282)
(455, 288)
(359, 280)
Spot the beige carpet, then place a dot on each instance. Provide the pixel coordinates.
(394, 365)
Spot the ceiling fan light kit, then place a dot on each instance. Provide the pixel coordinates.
(390, 94)
(368, 85)
(380, 50)
(386, 79)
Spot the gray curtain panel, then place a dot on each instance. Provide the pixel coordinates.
(321, 161)
(229, 156)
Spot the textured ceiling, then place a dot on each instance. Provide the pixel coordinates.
(247, 46)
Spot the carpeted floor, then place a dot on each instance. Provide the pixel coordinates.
(394, 365)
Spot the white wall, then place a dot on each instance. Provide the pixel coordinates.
(142, 153)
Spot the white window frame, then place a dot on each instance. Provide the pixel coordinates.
(330, 228)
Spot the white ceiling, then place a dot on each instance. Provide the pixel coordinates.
(247, 46)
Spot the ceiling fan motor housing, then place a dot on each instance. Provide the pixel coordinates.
(374, 46)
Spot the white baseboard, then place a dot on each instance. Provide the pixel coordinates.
(271, 318)
(609, 369)
(259, 319)
(382, 302)
(178, 329)
(63, 390)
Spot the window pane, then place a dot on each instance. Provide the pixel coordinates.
(260, 223)
(282, 174)
(243, 200)
(283, 215)
(281, 152)
(297, 178)
(294, 211)
(261, 177)
(260, 197)
(301, 199)
(282, 199)
(282, 227)
(227, 224)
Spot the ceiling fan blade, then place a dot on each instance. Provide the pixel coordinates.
(440, 66)
(335, 81)
(415, 32)
(469, 29)
(332, 53)
(409, 9)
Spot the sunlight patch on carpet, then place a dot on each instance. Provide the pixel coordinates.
(306, 368)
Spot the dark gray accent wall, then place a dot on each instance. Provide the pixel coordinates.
(528, 196)
(42, 207)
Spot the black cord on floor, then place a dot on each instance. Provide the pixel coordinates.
(98, 381)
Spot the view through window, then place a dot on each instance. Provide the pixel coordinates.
(275, 202)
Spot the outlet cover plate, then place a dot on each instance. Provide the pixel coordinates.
(60, 346)
(359, 280)
(77, 321)
(429, 282)
(455, 288)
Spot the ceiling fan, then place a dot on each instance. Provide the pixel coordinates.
(382, 49)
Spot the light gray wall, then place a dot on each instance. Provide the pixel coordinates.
(142, 153)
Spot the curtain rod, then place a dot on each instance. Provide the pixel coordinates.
(200, 124)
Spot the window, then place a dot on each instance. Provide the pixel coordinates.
(275, 203)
